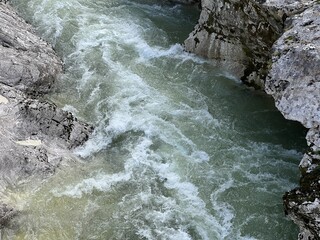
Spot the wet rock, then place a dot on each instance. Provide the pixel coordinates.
(294, 82)
(41, 118)
(294, 79)
(238, 36)
(35, 135)
(27, 62)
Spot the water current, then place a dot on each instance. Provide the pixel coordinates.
(181, 149)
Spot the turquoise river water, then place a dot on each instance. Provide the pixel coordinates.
(181, 149)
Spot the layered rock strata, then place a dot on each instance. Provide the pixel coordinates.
(35, 135)
(275, 45)
(237, 34)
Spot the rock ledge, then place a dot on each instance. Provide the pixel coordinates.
(35, 135)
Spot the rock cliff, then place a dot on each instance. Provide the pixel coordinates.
(35, 135)
(274, 45)
(237, 34)
(294, 82)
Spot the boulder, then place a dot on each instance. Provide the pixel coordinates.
(294, 79)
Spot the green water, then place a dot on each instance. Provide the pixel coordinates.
(181, 149)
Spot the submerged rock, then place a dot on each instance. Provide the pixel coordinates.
(35, 135)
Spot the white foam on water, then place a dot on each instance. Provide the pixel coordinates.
(100, 182)
(70, 108)
(146, 52)
(163, 201)
(169, 217)
(49, 15)
(135, 107)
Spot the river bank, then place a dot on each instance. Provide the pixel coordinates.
(274, 46)
(152, 147)
(35, 135)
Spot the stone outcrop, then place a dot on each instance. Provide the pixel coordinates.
(237, 34)
(294, 82)
(35, 135)
(294, 79)
(27, 62)
(274, 44)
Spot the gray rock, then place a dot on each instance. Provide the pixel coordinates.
(187, 2)
(44, 119)
(6, 214)
(27, 62)
(35, 135)
(294, 79)
(238, 36)
(287, 8)
(294, 82)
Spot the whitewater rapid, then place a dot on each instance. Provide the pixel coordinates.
(181, 149)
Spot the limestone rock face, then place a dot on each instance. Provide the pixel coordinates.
(35, 135)
(294, 82)
(294, 79)
(274, 44)
(287, 7)
(237, 34)
(6, 213)
(27, 62)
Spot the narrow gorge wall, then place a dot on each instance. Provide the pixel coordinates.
(274, 45)
(35, 135)
(238, 35)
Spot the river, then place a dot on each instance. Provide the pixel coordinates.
(181, 149)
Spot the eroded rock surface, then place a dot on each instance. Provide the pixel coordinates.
(41, 118)
(294, 79)
(185, 1)
(287, 8)
(27, 62)
(274, 44)
(294, 82)
(237, 34)
(35, 135)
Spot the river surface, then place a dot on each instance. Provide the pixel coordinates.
(181, 149)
